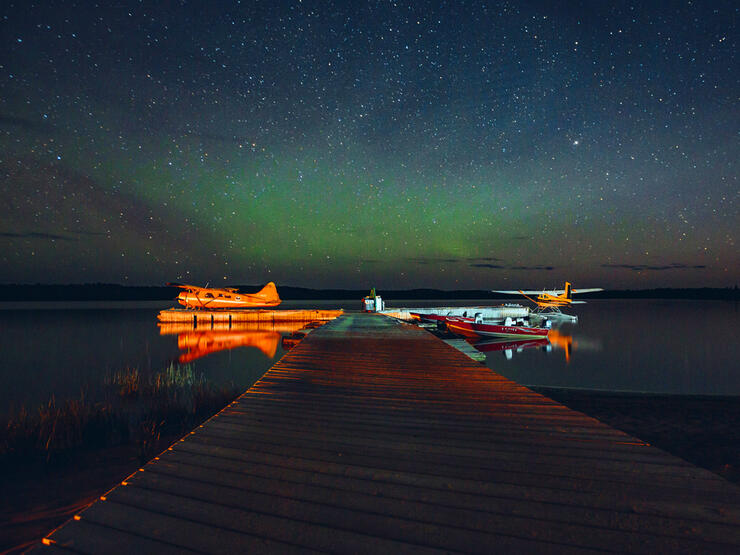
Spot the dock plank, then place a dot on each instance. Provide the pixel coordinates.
(372, 435)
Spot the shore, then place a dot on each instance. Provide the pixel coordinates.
(700, 429)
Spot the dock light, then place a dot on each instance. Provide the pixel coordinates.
(124, 483)
(77, 517)
(47, 541)
(103, 498)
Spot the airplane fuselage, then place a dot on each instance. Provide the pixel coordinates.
(206, 299)
(210, 298)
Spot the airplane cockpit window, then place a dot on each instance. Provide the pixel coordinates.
(208, 295)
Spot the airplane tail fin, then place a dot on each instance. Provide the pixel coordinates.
(268, 293)
(568, 291)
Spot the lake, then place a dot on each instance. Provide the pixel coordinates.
(657, 346)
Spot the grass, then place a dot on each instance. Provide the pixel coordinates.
(138, 409)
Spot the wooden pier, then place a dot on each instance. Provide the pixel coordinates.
(373, 436)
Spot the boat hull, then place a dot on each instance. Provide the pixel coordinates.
(428, 317)
(468, 327)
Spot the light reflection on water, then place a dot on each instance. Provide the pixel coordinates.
(658, 346)
(62, 349)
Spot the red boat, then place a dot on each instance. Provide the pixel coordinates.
(428, 316)
(469, 327)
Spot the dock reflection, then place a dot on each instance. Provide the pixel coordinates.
(220, 336)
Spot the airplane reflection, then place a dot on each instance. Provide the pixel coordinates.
(199, 342)
(562, 341)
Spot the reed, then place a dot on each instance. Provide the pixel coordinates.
(127, 381)
(141, 410)
(52, 429)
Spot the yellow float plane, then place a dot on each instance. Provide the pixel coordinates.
(228, 297)
(554, 299)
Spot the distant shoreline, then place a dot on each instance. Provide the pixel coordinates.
(116, 292)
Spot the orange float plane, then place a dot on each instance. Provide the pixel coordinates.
(229, 297)
(552, 300)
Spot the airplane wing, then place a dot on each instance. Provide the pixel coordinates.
(539, 291)
(549, 291)
(191, 288)
(592, 290)
(180, 285)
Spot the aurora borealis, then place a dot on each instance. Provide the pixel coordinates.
(458, 145)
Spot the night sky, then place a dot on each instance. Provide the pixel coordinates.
(457, 145)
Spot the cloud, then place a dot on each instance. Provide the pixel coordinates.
(432, 260)
(501, 267)
(645, 267)
(481, 261)
(37, 235)
(494, 266)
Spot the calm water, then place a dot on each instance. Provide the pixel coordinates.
(685, 347)
(62, 349)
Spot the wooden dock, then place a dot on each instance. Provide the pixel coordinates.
(373, 436)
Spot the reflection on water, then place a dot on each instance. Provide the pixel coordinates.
(201, 343)
(637, 345)
(223, 336)
(507, 346)
(557, 340)
(68, 352)
(563, 341)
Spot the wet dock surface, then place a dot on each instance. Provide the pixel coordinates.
(373, 436)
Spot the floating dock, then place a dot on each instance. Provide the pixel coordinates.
(466, 348)
(196, 317)
(486, 312)
(373, 436)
